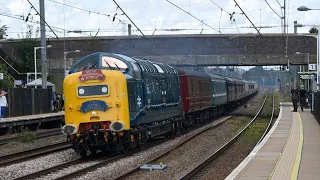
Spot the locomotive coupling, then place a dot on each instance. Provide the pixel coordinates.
(69, 129)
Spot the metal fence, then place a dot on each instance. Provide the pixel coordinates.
(25, 101)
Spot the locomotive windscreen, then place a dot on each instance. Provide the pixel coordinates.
(113, 63)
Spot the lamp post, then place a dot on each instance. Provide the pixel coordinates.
(304, 8)
(35, 60)
(65, 60)
(308, 64)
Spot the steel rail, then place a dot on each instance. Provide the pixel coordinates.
(270, 122)
(49, 170)
(200, 166)
(38, 136)
(93, 167)
(121, 176)
(33, 153)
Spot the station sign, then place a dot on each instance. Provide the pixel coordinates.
(312, 67)
(305, 76)
(18, 82)
(91, 74)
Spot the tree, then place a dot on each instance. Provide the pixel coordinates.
(313, 30)
(26, 50)
(3, 30)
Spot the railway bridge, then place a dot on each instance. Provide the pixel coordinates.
(182, 50)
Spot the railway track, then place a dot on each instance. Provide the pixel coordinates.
(200, 166)
(33, 153)
(102, 162)
(203, 168)
(38, 136)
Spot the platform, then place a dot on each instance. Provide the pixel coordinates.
(31, 119)
(291, 150)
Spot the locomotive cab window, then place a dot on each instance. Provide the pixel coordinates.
(89, 63)
(95, 90)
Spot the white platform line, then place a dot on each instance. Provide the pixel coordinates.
(253, 153)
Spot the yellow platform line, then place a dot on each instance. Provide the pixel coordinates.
(295, 169)
(275, 166)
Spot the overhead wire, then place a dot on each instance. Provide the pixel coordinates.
(129, 18)
(279, 3)
(82, 9)
(4, 14)
(42, 18)
(247, 17)
(272, 8)
(220, 7)
(198, 19)
(209, 25)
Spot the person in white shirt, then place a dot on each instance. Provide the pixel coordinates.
(3, 103)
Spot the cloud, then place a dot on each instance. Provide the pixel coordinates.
(160, 14)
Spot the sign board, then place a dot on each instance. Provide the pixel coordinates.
(1, 76)
(312, 67)
(306, 72)
(92, 74)
(305, 76)
(18, 82)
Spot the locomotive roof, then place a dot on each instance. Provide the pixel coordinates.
(184, 71)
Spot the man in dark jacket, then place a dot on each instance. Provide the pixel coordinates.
(295, 98)
(303, 97)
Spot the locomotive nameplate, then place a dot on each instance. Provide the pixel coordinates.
(94, 105)
(91, 74)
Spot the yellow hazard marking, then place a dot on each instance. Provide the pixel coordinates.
(275, 166)
(295, 169)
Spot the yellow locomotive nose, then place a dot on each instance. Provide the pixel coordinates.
(102, 102)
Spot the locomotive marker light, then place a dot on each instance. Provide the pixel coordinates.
(69, 129)
(116, 126)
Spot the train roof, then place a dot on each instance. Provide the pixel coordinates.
(184, 71)
(217, 77)
(234, 80)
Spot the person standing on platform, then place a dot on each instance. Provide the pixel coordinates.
(3, 103)
(295, 98)
(302, 97)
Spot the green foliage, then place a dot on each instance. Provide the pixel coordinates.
(8, 80)
(313, 30)
(26, 135)
(3, 30)
(51, 79)
(253, 133)
(26, 48)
